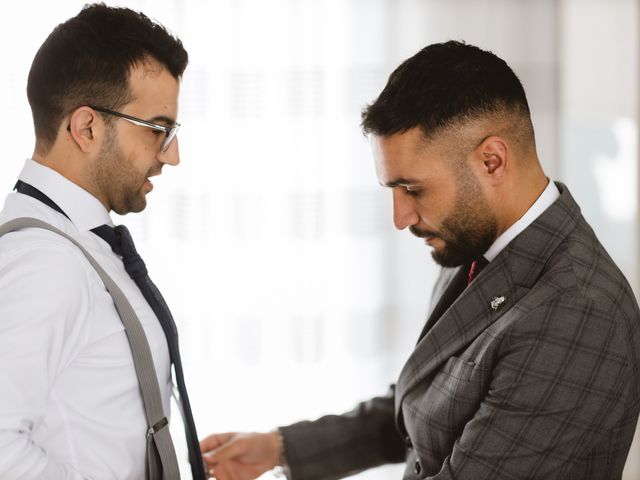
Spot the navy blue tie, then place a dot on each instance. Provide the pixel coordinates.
(122, 244)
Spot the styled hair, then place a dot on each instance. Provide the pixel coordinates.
(87, 60)
(444, 84)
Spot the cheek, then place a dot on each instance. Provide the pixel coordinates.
(141, 161)
(432, 209)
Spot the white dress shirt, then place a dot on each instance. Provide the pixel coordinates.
(549, 195)
(70, 404)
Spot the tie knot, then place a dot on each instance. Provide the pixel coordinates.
(133, 263)
(122, 244)
(109, 235)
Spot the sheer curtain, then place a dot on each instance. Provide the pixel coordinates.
(272, 240)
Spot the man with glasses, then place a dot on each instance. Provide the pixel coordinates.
(87, 344)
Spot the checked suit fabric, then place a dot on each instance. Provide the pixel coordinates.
(532, 372)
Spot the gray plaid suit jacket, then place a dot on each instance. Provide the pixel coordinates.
(544, 386)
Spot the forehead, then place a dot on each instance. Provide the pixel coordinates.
(406, 156)
(153, 89)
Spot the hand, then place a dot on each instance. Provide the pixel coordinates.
(241, 456)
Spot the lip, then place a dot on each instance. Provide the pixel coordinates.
(431, 241)
(148, 184)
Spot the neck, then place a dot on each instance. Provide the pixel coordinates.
(71, 167)
(520, 198)
(61, 161)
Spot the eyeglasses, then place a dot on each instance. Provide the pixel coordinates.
(170, 132)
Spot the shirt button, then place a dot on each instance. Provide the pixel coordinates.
(417, 468)
(407, 443)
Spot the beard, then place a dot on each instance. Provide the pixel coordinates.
(468, 231)
(117, 178)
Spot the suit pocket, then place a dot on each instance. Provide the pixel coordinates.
(455, 392)
(458, 369)
(451, 397)
(436, 411)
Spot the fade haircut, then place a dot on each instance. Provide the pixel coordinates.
(445, 85)
(87, 59)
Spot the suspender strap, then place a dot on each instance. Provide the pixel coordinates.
(162, 463)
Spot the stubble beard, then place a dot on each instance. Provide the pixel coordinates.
(116, 177)
(468, 231)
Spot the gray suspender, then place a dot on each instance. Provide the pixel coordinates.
(166, 466)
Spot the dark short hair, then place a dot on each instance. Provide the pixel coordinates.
(442, 84)
(87, 59)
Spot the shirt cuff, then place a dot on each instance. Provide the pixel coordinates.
(282, 470)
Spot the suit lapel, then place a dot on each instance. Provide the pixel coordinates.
(455, 323)
(471, 313)
(448, 288)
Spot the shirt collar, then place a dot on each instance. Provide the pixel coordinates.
(544, 201)
(82, 208)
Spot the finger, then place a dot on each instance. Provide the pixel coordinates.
(215, 440)
(208, 461)
(235, 447)
(221, 472)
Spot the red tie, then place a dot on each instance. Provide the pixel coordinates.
(475, 268)
(473, 271)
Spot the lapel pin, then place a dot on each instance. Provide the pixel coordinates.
(497, 302)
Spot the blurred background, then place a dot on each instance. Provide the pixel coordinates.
(272, 241)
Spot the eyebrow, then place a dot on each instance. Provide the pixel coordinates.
(400, 182)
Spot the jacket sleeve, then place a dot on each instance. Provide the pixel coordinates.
(335, 446)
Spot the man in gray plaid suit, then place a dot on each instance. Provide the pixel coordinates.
(528, 364)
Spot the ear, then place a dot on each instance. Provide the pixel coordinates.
(86, 129)
(491, 158)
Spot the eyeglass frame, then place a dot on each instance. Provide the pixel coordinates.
(170, 131)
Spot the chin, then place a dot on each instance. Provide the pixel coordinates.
(444, 261)
(448, 259)
(136, 206)
(138, 203)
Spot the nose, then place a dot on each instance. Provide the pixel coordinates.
(172, 155)
(404, 213)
